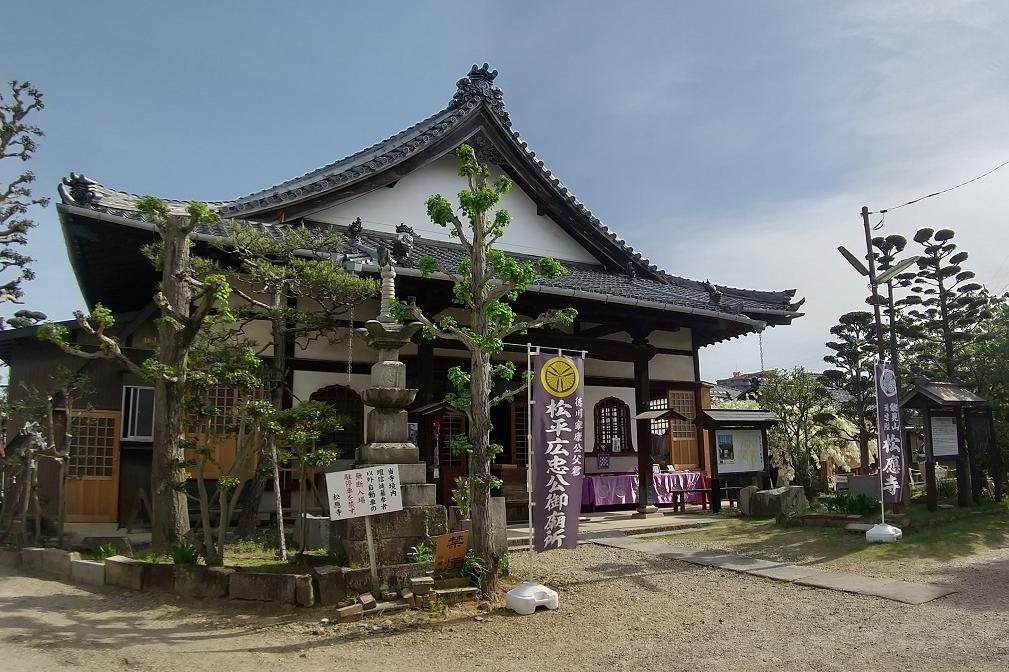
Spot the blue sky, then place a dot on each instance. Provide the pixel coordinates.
(730, 141)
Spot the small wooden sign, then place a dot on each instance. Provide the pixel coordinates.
(449, 551)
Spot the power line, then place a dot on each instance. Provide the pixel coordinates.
(943, 191)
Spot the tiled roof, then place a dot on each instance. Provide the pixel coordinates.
(473, 92)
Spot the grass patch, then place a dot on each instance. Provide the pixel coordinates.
(940, 536)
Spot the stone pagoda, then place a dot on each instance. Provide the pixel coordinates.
(389, 443)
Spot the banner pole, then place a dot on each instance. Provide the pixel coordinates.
(530, 458)
(879, 443)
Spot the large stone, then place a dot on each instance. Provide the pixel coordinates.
(420, 494)
(200, 582)
(388, 425)
(159, 576)
(56, 562)
(392, 551)
(31, 559)
(787, 499)
(120, 543)
(124, 572)
(87, 572)
(330, 585)
(746, 498)
(499, 525)
(304, 595)
(334, 584)
(10, 557)
(264, 587)
(412, 522)
(387, 453)
(415, 472)
(316, 531)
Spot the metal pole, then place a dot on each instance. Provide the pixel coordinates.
(870, 258)
(530, 453)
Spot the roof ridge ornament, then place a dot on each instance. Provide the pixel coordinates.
(479, 84)
(78, 190)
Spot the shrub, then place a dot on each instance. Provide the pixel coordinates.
(947, 489)
(183, 552)
(850, 502)
(103, 551)
(420, 553)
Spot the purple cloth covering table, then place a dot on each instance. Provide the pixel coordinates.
(615, 489)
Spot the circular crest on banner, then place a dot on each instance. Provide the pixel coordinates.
(559, 376)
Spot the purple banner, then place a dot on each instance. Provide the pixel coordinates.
(558, 431)
(891, 434)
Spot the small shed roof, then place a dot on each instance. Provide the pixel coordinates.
(933, 393)
(736, 417)
(660, 414)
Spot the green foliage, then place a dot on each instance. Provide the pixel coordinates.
(18, 142)
(808, 424)
(475, 569)
(183, 552)
(947, 489)
(462, 495)
(420, 553)
(103, 551)
(844, 501)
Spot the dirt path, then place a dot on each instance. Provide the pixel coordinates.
(620, 610)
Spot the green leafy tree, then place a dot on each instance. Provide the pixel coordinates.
(486, 284)
(190, 297)
(48, 425)
(219, 362)
(807, 427)
(853, 356)
(294, 283)
(18, 138)
(302, 431)
(945, 309)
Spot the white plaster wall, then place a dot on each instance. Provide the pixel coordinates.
(598, 367)
(383, 209)
(681, 340)
(671, 367)
(594, 394)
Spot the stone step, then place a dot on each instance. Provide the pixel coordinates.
(419, 494)
(456, 595)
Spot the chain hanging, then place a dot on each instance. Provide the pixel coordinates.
(350, 348)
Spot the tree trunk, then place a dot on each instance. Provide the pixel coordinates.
(170, 515)
(169, 512)
(278, 500)
(479, 469)
(61, 501)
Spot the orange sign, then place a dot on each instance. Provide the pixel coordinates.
(449, 551)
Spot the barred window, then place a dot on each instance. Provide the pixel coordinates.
(612, 426)
(683, 402)
(92, 447)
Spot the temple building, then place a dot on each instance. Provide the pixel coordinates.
(642, 328)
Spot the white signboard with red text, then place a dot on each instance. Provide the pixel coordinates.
(364, 492)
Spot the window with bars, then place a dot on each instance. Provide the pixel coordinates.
(612, 426)
(92, 449)
(683, 402)
(660, 444)
(450, 426)
(520, 433)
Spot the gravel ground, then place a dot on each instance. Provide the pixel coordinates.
(620, 610)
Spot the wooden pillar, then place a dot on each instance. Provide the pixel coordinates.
(642, 393)
(425, 370)
(931, 488)
(716, 481)
(964, 489)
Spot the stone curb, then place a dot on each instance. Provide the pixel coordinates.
(897, 591)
